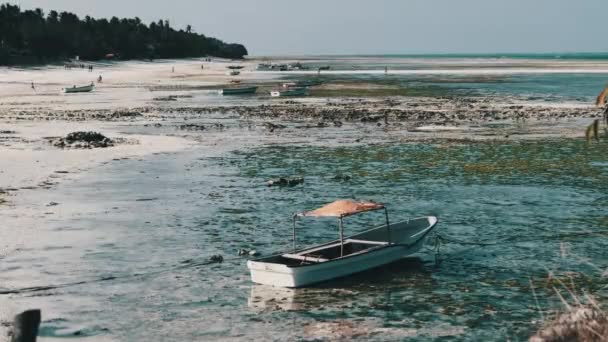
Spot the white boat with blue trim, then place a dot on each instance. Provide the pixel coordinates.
(75, 89)
(348, 255)
(293, 91)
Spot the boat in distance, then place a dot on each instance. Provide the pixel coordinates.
(238, 90)
(289, 92)
(369, 249)
(82, 89)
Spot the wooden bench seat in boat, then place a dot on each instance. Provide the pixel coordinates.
(304, 257)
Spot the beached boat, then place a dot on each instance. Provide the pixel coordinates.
(288, 92)
(264, 66)
(233, 73)
(238, 90)
(235, 67)
(300, 84)
(82, 89)
(348, 255)
(326, 67)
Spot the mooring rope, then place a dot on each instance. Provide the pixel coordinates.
(440, 240)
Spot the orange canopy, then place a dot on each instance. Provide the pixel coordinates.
(341, 208)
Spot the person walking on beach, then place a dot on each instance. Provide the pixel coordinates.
(99, 79)
(33, 88)
(385, 70)
(172, 69)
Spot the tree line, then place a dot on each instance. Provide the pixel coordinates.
(30, 36)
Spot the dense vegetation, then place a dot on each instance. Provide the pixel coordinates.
(31, 37)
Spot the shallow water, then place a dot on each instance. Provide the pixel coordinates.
(507, 211)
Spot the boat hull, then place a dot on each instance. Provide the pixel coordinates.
(276, 274)
(85, 89)
(238, 91)
(288, 92)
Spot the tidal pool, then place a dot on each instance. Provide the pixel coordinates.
(139, 231)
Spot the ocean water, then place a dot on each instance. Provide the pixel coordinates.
(574, 78)
(138, 233)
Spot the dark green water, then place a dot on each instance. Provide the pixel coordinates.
(507, 211)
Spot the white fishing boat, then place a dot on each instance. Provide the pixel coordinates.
(264, 66)
(238, 90)
(301, 91)
(301, 84)
(347, 255)
(82, 89)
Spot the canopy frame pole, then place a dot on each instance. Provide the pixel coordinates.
(295, 216)
(341, 225)
(388, 225)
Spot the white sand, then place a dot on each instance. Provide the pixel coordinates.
(30, 163)
(124, 84)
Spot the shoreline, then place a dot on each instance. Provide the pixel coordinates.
(159, 98)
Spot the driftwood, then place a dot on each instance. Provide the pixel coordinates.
(25, 326)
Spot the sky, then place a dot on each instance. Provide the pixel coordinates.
(312, 27)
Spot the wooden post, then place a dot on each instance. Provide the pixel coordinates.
(25, 326)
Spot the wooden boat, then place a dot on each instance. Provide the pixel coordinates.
(235, 67)
(300, 84)
(326, 67)
(348, 255)
(238, 90)
(82, 89)
(233, 73)
(288, 92)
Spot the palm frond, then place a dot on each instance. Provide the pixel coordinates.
(592, 131)
(600, 101)
(589, 132)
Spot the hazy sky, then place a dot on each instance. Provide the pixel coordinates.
(281, 27)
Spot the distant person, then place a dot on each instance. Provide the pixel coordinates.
(172, 69)
(386, 70)
(99, 79)
(33, 87)
(202, 67)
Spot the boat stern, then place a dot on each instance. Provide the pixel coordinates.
(271, 274)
